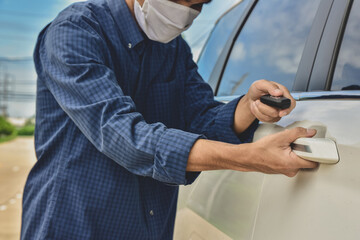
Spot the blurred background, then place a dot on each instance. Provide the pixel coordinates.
(20, 23)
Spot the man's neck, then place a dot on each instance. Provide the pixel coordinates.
(130, 4)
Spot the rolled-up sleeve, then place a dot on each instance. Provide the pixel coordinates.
(224, 125)
(75, 71)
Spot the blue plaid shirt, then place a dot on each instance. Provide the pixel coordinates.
(117, 115)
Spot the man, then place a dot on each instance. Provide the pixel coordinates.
(123, 118)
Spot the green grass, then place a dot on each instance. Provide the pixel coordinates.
(26, 130)
(8, 138)
(8, 132)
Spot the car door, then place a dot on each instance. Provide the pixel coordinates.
(311, 53)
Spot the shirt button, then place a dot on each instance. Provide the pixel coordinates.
(130, 45)
(151, 212)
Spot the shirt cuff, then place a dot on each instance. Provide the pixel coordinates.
(171, 157)
(224, 124)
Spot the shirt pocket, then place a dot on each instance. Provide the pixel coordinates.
(164, 104)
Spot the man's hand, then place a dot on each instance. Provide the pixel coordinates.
(273, 154)
(262, 111)
(250, 106)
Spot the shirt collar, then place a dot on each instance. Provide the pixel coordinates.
(126, 23)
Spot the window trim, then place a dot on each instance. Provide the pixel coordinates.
(325, 62)
(213, 29)
(352, 94)
(306, 96)
(338, 47)
(311, 47)
(216, 74)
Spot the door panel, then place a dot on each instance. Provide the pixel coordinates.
(190, 225)
(226, 200)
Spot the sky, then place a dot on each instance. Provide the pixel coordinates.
(22, 20)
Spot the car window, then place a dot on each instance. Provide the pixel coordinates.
(269, 46)
(347, 71)
(218, 39)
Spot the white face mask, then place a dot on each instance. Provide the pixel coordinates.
(163, 20)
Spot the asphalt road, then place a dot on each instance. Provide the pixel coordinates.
(16, 159)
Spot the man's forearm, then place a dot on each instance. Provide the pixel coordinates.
(212, 155)
(243, 116)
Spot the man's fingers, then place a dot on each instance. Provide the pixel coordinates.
(268, 87)
(309, 164)
(267, 110)
(298, 164)
(262, 117)
(302, 163)
(292, 134)
(263, 87)
(287, 95)
(291, 173)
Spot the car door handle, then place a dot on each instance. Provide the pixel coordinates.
(322, 150)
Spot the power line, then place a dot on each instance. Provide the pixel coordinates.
(25, 83)
(15, 59)
(8, 82)
(5, 84)
(24, 100)
(16, 94)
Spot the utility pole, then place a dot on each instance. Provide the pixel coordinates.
(4, 91)
(1, 89)
(5, 95)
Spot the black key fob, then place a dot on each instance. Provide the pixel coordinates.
(277, 102)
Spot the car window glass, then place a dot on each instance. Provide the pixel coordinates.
(218, 39)
(347, 71)
(269, 46)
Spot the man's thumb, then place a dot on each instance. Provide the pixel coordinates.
(269, 87)
(299, 132)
